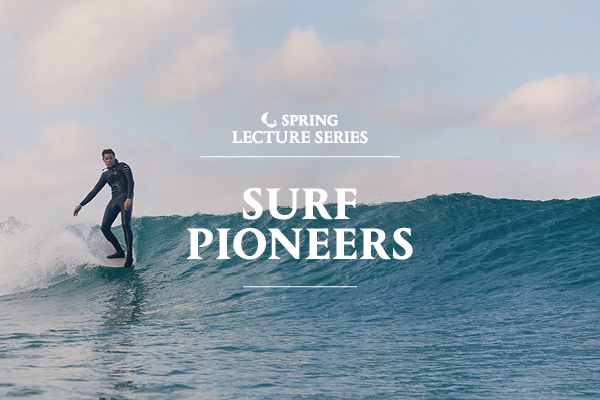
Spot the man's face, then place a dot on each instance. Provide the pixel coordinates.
(109, 160)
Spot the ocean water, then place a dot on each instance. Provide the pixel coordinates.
(500, 299)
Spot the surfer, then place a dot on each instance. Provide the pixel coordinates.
(118, 175)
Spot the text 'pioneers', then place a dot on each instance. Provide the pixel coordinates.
(251, 243)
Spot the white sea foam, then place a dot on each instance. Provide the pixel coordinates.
(32, 256)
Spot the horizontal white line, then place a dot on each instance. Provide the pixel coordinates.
(299, 156)
(317, 286)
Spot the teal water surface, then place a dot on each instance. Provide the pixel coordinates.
(500, 299)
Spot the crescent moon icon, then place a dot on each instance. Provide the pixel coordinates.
(264, 120)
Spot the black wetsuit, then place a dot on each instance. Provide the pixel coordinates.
(120, 179)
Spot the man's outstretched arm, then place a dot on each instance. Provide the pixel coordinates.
(91, 195)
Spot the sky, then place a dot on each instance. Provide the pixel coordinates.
(496, 98)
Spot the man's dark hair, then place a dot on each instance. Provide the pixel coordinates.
(107, 151)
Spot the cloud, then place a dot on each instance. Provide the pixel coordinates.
(23, 15)
(73, 52)
(88, 45)
(562, 105)
(52, 173)
(82, 49)
(306, 69)
(48, 162)
(204, 67)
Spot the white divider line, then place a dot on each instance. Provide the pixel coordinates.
(299, 156)
(291, 286)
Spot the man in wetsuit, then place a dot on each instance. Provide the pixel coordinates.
(118, 175)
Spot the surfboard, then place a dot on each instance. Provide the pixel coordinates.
(99, 248)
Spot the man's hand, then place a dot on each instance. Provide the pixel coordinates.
(78, 208)
(127, 204)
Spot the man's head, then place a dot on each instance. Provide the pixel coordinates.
(108, 156)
